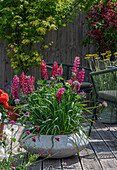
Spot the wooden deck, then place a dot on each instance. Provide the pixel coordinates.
(101, 152)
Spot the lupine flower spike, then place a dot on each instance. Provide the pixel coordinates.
(59, 94)
(15, 87)
(44, 70)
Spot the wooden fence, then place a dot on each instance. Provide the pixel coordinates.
(66, 46)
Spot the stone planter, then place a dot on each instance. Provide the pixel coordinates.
(65, 147)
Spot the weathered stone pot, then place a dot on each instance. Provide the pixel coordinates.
(68, 145)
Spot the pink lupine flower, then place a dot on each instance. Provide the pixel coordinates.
(37, 127)
(44, 70)
(59, 71)
(23, 84)
(27, 132)
(57, 138)
(54, 69)
(30, 84)
(81, 76)
(41, 153)
(59, 94)
(12, 122)
(34, 139)
(75, 68)
(15, 87)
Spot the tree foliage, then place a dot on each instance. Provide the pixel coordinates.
(25, 22)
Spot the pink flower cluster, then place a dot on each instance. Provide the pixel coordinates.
(55, 71)
(27, 85)
(76, 82)
(44, 70)
(59, 94)
(75, 68)
(59, 71)
(102, 22)
(15, 93)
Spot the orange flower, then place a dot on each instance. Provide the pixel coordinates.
(4, 98)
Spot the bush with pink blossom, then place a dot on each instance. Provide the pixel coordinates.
(102, 24)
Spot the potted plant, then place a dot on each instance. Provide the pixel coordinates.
(54, 119)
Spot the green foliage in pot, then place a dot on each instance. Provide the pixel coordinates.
(56, 107)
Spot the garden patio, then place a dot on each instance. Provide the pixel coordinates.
(101, 152)
(58, 85)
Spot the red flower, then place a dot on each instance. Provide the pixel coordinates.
(49, 152)
(57, 138)
(13, 164)
(4, 98)
(37, 127)
(41, 153)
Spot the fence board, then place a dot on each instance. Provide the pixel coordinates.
(66, 45)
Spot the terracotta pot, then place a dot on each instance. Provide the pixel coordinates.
(1, 129)
(15, 113)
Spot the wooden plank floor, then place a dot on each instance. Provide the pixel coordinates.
(101, 152)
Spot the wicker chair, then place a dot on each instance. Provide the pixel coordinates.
(105, 89)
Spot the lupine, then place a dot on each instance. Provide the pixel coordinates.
(59, 94)
(59, 71)
(23, 84)
(54, 69)
(15, 87)
(27, 84)
(75, 68)
(81, 76)
(44, 70)
(30, 85)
